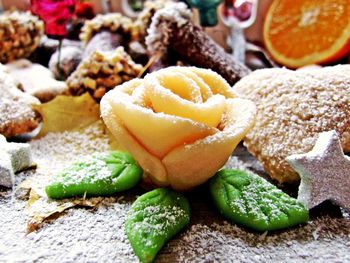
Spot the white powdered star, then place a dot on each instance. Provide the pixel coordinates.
(324, 172)
(14, 157)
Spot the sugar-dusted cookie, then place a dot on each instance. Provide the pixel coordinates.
(17, 115)
(35, 79)
(180, 123)
(324, 172)
(293, 108)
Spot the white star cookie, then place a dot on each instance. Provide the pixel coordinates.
(324, 172)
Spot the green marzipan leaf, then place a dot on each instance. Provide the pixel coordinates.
(247, 199)
(154, 218)
(99, 175)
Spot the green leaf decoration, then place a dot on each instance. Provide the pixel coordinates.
(99, 175)
(249, 200)
(154, 218)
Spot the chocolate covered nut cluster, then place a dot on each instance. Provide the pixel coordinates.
(20, 35)
(113, 22)
(101, 72)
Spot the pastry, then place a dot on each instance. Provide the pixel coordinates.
(324, 172)
(144, 19)
(101, 72)
(17, 115)
(20, 35)
(172, 30)
(36, 79)
(293, 108)
(107, 32)
(70, 58)
(180, 123)
(113, 22)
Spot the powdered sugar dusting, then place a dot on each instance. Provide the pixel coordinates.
(85, 235)
(156, 39)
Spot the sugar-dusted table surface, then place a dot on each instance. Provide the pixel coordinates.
(97, 235)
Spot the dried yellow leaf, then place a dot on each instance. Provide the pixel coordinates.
(66, 113)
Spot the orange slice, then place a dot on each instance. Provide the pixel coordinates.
(304, 32)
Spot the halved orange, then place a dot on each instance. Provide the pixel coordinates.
(304, 32)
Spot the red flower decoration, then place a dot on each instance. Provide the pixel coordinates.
(84, 10)
(55, 14)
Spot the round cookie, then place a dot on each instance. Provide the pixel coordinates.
(293, 108)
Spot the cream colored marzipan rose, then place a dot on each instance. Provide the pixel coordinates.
(180, 123)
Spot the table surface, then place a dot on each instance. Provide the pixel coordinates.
(97, 235)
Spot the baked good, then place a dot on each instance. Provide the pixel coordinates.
(293, 108)
(324, 172)
(101, 72)
(20, 34)
(180, 123)
(172, 31)
(36, 79)
(17, 115)
(144, 19)
(70, 58)
(113, 22)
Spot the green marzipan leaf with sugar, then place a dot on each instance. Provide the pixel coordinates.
(101, 174)
(154, 218)
(249, 200)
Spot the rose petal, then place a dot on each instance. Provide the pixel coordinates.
(217, 83)
(192, 164)
(177, 83)
(163, 100)
(157, 132)
(205, 90)
(150, 164)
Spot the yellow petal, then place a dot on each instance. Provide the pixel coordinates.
(217, 83)
(176, 82)
(163, 100)
(157, 132)
(191, 165)
(148, 162)
(204, 87)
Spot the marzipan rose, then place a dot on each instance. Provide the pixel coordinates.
(180, 123)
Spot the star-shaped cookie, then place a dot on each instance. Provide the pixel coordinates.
(324, 172)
